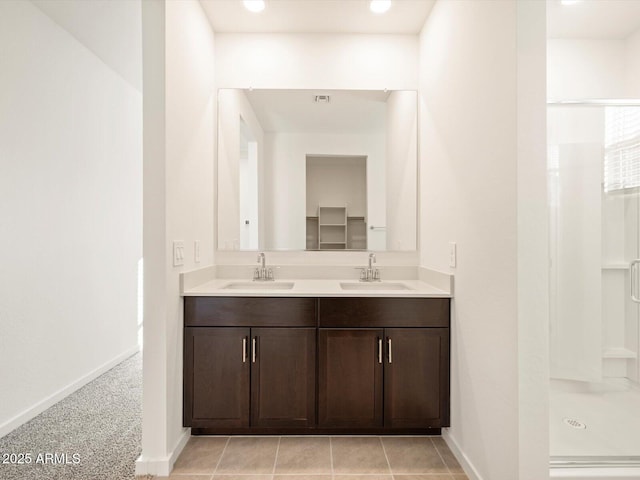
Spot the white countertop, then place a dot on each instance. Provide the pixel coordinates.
(313, 288)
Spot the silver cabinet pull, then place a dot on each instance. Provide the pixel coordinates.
(633, 279)
(244, 349)
(253, 350)
(379, 350)
(389, 345)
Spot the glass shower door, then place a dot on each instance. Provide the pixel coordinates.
(594, 200)
(575, 178)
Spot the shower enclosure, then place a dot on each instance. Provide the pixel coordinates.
(594, 212)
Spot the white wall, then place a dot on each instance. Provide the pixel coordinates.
(285, 180)
(589, 68)
(481, 141)
(533, 245)
(179, 116)
(71, 209)
(111, 30)
(632, 60)
(336, 181)
(401, 170)
(233, 104)
(328, 61)
(585, 68)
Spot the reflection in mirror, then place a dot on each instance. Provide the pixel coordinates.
(336, 202)
(248, 172)
(330, 170)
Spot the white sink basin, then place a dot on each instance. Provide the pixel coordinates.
(259, 286)
(374, 286)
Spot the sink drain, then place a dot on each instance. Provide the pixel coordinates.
(574, 423)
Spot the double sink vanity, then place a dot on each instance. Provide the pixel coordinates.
(304, 355)
(318, 348)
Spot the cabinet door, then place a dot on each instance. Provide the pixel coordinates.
(416, 377)
(350, 378)
(216, 377)
(283, 377)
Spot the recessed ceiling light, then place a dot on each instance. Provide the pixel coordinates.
(569, 2)
(380, 6)
(254, 5)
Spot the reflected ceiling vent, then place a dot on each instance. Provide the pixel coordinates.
(574, 423)
(322, 98)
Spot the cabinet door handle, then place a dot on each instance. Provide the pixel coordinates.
(253, 350)
(379, 350)
(244, 349)
(389, 346)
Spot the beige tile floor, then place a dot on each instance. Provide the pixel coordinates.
(316, 458)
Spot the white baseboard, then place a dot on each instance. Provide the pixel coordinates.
(51, 400)
(594, 473)
(162, 466)
(464, 461)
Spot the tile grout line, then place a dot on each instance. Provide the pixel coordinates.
(386, 458)
(220, 459)
(441, 457)
(331, 457)
(275, 460)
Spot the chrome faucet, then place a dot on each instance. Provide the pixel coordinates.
(370, 274)
(262, 273)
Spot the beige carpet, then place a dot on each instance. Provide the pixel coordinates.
(93, 434)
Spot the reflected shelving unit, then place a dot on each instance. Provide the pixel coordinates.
(312, 233)
(356, 233)
(332, 227)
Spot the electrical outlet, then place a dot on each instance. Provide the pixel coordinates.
(196, 251)
(178, 253)
(453, 254)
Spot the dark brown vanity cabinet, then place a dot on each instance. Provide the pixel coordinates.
(249, 376)
(395, 377)
(316, 365)
(350, 378)
(216, 377)
(416, 377)
(283, 377)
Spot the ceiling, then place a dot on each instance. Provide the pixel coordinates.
(317, 16)
(596, 19)
(295, 111)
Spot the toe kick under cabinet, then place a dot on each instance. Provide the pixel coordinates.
(283, 365)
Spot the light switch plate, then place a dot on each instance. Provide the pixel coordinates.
(453, 254)
(196, 251)
(178, 253)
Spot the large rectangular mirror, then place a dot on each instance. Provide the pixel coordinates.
(317, 170)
